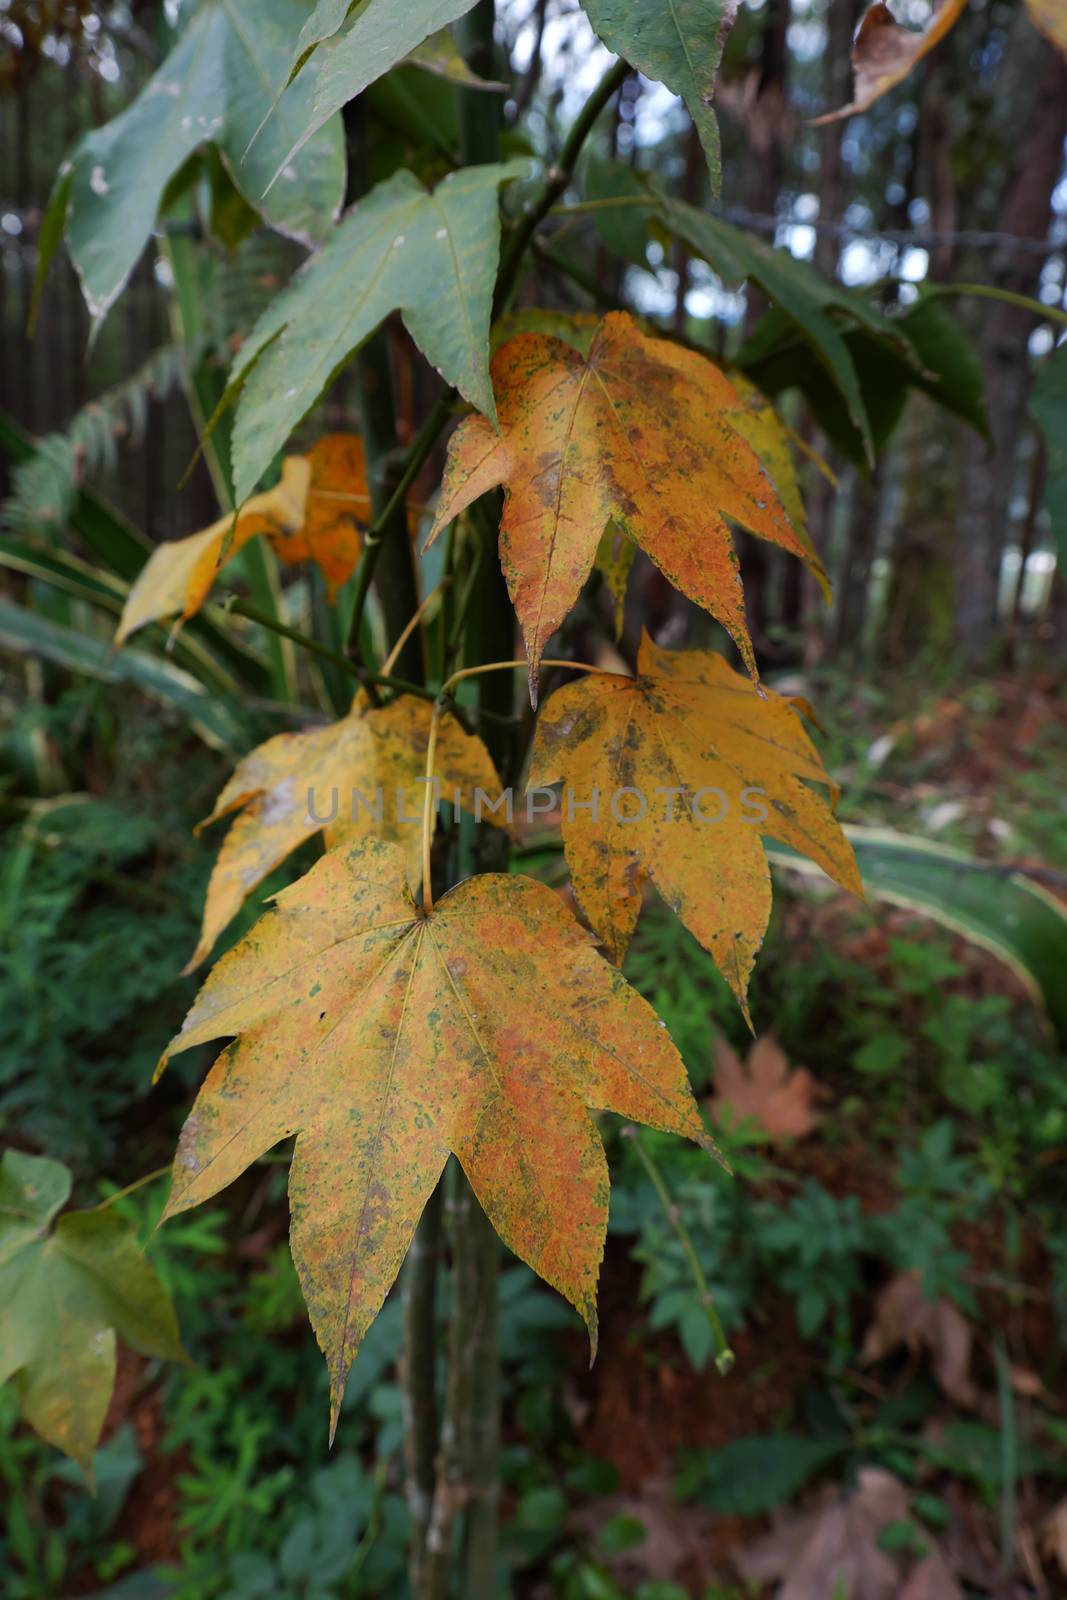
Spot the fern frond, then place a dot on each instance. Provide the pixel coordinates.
(44, 487)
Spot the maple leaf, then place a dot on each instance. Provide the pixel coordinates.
(431, 255)
(780, 1100)
(386, 1038)
(904, 1315)
(213, 88)
(680, 45)
(341, 767)
(883, 52)
(633, 430)
(65, 1292)
(686, 725)
(835, 1550)
(316, 511)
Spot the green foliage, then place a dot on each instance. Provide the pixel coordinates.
(680, 45)
(431, 256)
(68, 1287)
(215, 87)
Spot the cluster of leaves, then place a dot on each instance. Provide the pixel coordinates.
(389, 1032)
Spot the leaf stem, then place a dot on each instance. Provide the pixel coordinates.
(557, 178)
(724, 1356)
(505, 666)
(373, 539)
(429, 809)
(412, 623)
(988, 291)
(131, 1188)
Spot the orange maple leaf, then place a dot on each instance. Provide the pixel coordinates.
(631, 430)
(385, 1038)
(712, 763)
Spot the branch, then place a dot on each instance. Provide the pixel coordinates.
(556, 181)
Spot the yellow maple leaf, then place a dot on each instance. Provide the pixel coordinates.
(385, 1038)
(635, 430)
(359, 777)
(690, 764)
(884, 52)
(317, 511)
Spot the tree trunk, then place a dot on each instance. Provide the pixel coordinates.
(1032, 97)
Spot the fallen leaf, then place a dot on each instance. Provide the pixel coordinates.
(931, 1580)
(780, 1100)
(1054, 1536)
(685, 728)
(883, 52)
(386, 1038)
(367, 768)
(635, 430)
(833, 1553)
(67, 1288)
(904, 1316)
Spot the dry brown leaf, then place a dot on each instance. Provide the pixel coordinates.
(903, 1315)
(833, 1553)
(931, 1580)
(883, 52)
(779, 1100)
(1054, 1536)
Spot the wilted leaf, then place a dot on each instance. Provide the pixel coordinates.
(833, 1553)
(904, 1316)
(215, 87)
(432, 257)
(779, 1099)
(366, 768)
(384, 1038)
(65, 1292)
(931, 1580)
(638, 432)
(336, 512)
(344, 47)
(177, 577)
(1054, 1536)
(679, 44)
(883, 52)
(717, 764)
(317, 511)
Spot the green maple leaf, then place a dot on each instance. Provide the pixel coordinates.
(430, 256)
(215, 87)
(67, 1288)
